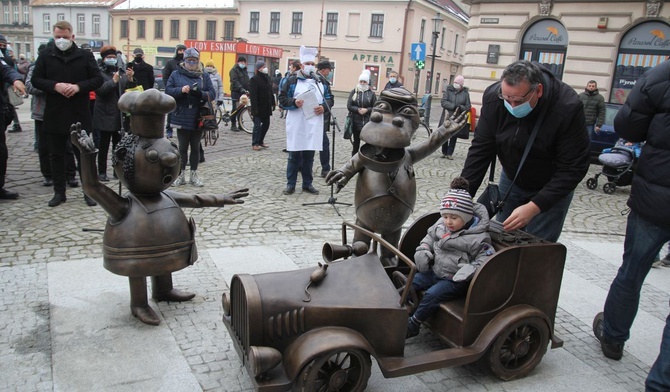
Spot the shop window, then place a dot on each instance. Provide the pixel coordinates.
(546, 42)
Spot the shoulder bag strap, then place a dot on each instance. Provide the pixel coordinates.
(536, 128)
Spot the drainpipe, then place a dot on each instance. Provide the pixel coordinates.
(404, 36)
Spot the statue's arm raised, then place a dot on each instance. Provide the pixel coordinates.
(208, 200)
(448, 129)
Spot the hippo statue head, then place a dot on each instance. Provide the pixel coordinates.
(394, 119)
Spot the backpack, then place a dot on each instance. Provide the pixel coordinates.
(282, 82)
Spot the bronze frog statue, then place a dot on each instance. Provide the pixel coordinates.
(147, 233)
(386, 188)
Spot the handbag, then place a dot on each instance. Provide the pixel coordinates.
(207, 121)
(14, 98)
(490, 198)
(348, 125)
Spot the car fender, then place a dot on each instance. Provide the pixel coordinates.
(507, 317)
(317, 342)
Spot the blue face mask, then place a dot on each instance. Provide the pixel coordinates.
(519, 111)
(110, 62)
(242, 65)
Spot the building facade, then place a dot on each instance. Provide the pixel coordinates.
(89, 20)
(16, 26)
(611, 42)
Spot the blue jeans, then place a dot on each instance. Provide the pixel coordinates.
(324, 154)
(261, 126)
(299, 161)
(449, 146)
(437, 291)
(547, 224)
(643, 241)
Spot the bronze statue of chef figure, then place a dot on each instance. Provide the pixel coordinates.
(386, 188)
(147, 233)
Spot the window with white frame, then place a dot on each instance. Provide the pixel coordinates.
(275, 18)
(377, 26)
(296, 23)
(26, 14)
(46, 23)
(60, 17)
(81, 23)
(210, 34)
(5, 14)
(96, 25)
(331, 23)
(192, 29)
(16, 14)
(254, 21)
(141, 29)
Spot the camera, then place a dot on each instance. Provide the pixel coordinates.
(194, 87)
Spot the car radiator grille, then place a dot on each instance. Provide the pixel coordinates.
(238, 314)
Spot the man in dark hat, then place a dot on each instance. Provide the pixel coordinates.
(169, 68)
(323, 68)
(144, 72)
(239, 85)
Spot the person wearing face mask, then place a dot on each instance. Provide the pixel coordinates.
(393, 81)
(558, 159)
(66, 74)
(144, 72)
(262, 104)
(106, 113)
(239, 85)
(217, 82)
(190, 88)
(275, 83)
(360, 103)
(172, 65)
(455, 97)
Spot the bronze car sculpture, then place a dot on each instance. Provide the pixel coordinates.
(386, 186)
(147, 233)
(287, 344)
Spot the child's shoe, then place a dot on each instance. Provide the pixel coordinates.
(413, 327)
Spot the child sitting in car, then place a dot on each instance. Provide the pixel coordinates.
(450, 253)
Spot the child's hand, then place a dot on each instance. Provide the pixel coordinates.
(465, 273)
(422, 258)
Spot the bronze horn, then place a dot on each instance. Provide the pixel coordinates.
(333, 252)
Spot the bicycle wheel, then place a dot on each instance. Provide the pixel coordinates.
(245, 120)
(218, 115)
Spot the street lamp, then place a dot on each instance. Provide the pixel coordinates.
(437, 26)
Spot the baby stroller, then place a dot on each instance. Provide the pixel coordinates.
(618, 166)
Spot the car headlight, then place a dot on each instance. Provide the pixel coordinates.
(263, 359)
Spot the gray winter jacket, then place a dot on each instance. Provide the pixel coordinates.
(447, 253)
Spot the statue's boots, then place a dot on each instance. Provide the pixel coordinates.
(162, 290)
(139, 305)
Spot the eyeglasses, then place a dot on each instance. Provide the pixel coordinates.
(514, 99)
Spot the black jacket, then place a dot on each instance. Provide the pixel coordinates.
(171, 66)
(239, 82)
(260, 93)
(357, 100)
(559, 157)
(646, 117)
(8, 75)
(76, 66)
(106, 113)
(144, 73)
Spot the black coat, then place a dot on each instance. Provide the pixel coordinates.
(646, 117)
(144, 74)
(106, 113)
(260, 93)
(239, 82)
(77, 66)
(559, 157)
(357, 100)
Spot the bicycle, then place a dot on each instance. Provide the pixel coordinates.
(245, 120)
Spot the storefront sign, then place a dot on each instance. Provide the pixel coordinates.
(546, 32)
(373, 58)
(236, 47)
(647, 36)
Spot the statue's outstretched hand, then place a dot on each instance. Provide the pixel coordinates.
(236, 196)
(336, 176)
(81, 139)
(456, 120)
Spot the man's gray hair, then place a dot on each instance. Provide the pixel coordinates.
(521, 70)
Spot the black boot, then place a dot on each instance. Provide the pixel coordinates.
(57, 200)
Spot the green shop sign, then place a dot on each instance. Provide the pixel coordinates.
(375, 58)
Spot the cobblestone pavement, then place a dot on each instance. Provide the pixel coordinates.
(33, 235)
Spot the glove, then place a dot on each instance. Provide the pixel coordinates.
(464, 273)
(422, 259)
(219, 103)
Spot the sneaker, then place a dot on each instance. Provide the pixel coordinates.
(181, 180)
(657, 264)
(168, 133)
(103, 177)
(89, 202)
(413, 328)
(195, 180)
(610, 349)
(264, 146)
(324, 173)
(15, 129)
(289, 190)
(234, 128)
(310, 189)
